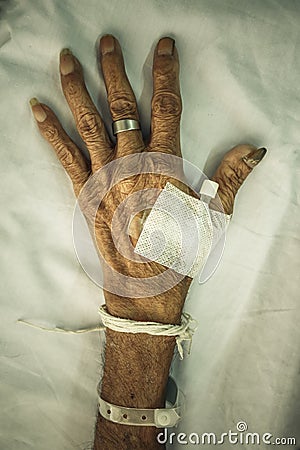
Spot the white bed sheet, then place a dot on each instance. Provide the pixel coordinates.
(240, 65)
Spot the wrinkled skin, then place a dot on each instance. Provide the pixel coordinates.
(140, 383)
(165, 137)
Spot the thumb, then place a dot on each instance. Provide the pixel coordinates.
(235, 167)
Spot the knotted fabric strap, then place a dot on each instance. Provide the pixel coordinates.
(183, 332)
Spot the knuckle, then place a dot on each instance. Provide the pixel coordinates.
(163, 143)
(51, 133)
(74, 89)
(166, 71)
(236, 174)
(231, 179)
(122, 106)
(89, 125)
(166, 104)
(64, 154)
(78, 177)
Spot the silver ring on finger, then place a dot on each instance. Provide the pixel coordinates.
(118, 126)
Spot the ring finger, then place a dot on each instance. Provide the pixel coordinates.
(120, 95)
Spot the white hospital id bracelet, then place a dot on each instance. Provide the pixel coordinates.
(159, 417)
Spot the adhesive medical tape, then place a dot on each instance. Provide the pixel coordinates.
(181, 230)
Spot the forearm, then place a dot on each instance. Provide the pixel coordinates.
(137, 367)
(135, 375)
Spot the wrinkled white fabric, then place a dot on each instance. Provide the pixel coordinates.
(240, 65)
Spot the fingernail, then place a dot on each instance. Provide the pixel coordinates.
(66, 62)
(37, 110)
(255, 157)
(107, 44)
(165, 47)
(34, 101)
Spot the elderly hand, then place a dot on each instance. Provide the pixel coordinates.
(143, 352)
(165, 131)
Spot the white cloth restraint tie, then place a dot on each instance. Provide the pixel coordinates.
(182, 332)
(159, 417)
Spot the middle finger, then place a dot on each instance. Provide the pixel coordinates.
(166, 101)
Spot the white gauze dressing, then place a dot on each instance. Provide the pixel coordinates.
(181, 231)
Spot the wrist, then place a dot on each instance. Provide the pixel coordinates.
(164, 308)
(137, 366)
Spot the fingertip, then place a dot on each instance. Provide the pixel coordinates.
(264, 149)
(107, 44)
(65, 51)
(66, 62)
(166, 46)
(38, 110)
(34, 101)
(255, 157)
(165, 56)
